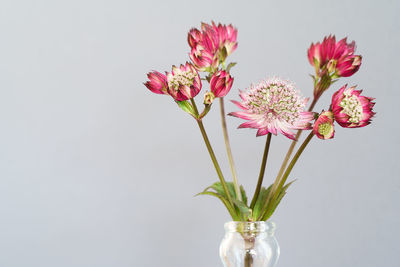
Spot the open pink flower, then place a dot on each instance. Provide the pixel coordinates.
(351, 109)
(273, 106)
(157, 82)
(335, 57)
(323, 126)
(220, 83)
(184, 82)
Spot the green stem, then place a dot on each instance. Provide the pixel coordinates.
(292, 146)
(212, 155)
(228, 149)
(286, 174)
(262, 171)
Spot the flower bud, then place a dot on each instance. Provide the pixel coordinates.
(208, 98)
(323, 126)
(220, 83)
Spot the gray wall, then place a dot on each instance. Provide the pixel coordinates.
(97, 171)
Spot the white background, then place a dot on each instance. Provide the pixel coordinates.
(95, 170)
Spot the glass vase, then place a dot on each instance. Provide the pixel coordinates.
(249, 244)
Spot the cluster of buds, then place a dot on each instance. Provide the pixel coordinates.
(211, 45)
(348, 108)
(332, 60)
(209, 48)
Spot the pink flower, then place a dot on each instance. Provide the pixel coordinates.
(203, 59)
(273, 106)
(184, 82)
(335, 57)
(157, 83)
(350, 109)
(323, 126)
(227, 38)
(220, 83)
(211, 45)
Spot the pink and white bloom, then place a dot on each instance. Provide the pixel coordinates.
(351, 109)
(273, 106)
(157, 83)
(220, 83)
(184, 82)
(323, 126)
(335, 57)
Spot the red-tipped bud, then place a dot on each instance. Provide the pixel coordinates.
(157, 83)
(220, 83)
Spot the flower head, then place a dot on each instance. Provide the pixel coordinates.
(273, 106)
(220, 83)
(351, 109)
(334, 57)
(184, 82)
(157, 82)
(211, 45)
(323, 126)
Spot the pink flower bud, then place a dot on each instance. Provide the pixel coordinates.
(184, 82)
(350, 109)
(157, 83)
(220, 83)
(323, 126)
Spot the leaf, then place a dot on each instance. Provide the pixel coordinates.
(187, 107)
(262, 198)
(281, 194)
(230, 65)
(240, 209)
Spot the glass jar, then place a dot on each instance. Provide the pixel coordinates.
(249, 244)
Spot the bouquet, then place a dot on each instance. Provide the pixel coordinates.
(272, 106)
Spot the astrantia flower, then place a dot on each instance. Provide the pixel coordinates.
(211, 45)
(220, 83)
(227, 39)
(323, 126)
(157, 83)
(351, 109)
(336, 57)
(184, 82)
(273, 106)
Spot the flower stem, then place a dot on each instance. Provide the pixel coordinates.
(212, 155)
(293, 144)
(262, 171)
(276, 193)
(228, 149)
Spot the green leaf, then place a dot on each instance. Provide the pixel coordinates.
(187, 107)
(262, 198)
(230, 65)
(240, 209)
(281, 194)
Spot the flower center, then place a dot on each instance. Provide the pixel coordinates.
(324, 129)
(183, 78)
(275, 101)
(352, 107)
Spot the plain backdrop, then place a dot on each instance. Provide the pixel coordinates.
(95, 170)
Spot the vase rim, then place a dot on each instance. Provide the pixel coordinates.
(257, 226)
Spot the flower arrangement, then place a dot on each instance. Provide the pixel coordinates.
(271, 106)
